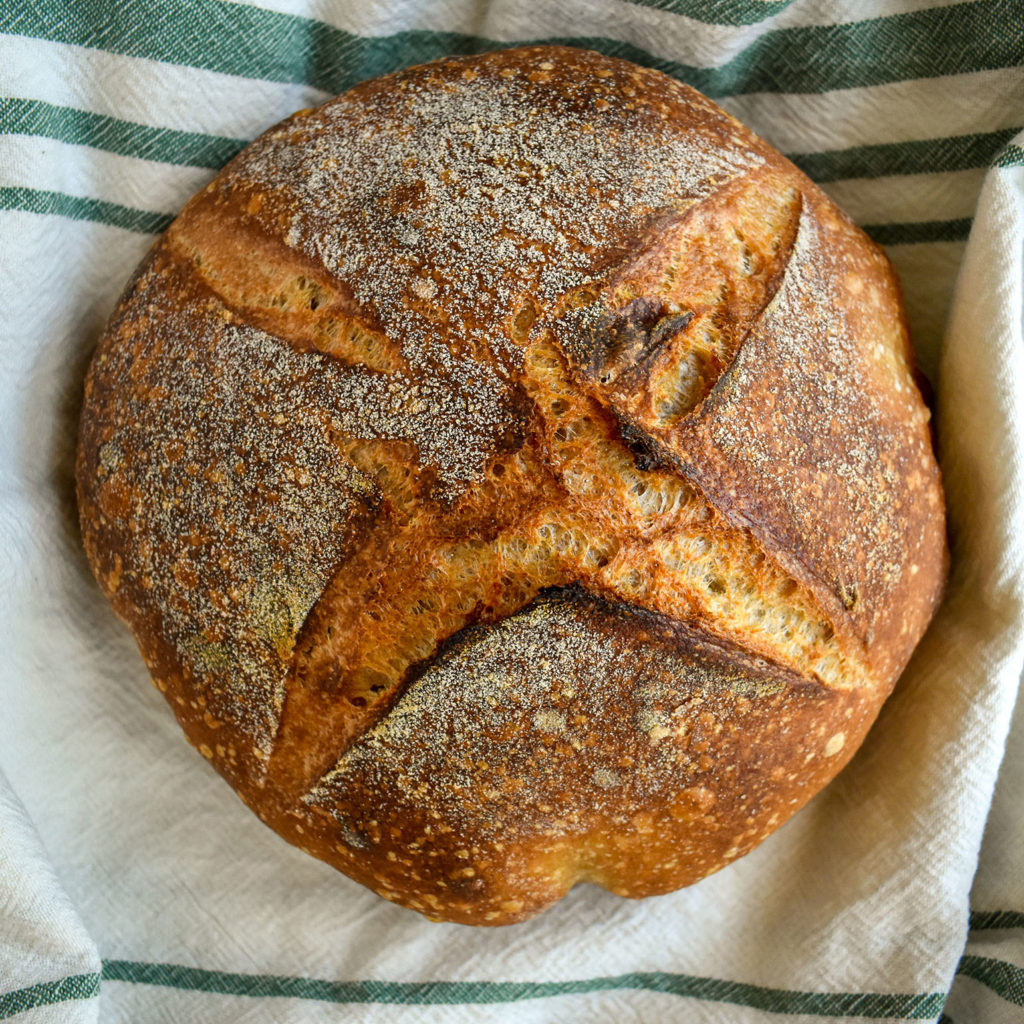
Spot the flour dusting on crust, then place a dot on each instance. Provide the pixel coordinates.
(441, 201)
(563, 671)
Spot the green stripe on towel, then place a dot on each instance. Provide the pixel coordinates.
(78, 986)
(925, 156)
(834, 1004)
(985, 920)
(79, 208)
(1006, 980)
(240, 40)
(916, 232)
(1012, 156)
(126, 138)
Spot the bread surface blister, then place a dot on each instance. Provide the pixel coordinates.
(513, 474)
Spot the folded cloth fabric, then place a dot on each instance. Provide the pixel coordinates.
(134, 887)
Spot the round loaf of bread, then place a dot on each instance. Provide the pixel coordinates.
(514, 475)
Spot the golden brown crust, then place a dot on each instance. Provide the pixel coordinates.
(495, 325)
(576, 740)
(815, 408)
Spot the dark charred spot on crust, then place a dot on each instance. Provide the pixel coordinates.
(647, 453)
(519, 421)
(631, 336)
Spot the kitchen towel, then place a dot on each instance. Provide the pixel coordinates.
(135, 887)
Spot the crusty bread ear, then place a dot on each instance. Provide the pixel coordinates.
(513, 474)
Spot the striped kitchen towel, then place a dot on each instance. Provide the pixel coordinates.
(134, 887)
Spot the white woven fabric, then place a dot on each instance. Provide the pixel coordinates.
(145, 857)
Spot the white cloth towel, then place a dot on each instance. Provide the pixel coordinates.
(134, 886)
